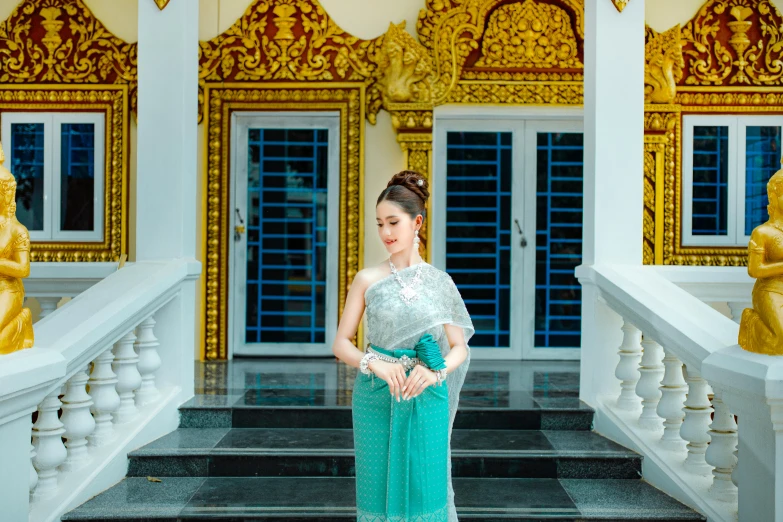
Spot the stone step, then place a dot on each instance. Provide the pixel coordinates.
(333, 499)
(242, 452)
(246, 411)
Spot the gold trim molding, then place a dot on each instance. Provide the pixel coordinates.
(113, 102)
(221, 101)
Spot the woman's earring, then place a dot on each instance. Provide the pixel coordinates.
(416, 240)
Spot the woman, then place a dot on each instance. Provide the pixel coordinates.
(405, 396)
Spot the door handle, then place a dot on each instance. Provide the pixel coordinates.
(239, 229)
(522, 238)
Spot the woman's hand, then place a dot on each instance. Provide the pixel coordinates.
(392, 373)
(419, 378)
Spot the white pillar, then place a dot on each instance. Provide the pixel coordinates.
(613, 176)
(166, 175)
(15, 459)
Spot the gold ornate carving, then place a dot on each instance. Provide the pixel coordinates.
(663, 65)
(529, 35)
(418, 156)
(74, 48)
(113, 101)
(16, 329)
(161, 4)
(754, 54)
(761, 327)
(453, 31)
(620, 4)
(221, 101)
(404, 68)
(288, 40)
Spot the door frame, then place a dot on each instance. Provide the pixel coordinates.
(241, 122)
(519, 121)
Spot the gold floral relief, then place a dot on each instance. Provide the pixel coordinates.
(74, 47)
(506, 63)
(663, 65)
(620, 4)
(734, 42)
(529, 35)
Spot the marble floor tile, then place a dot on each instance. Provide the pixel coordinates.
(296, 439)
(184, 439)
(583, 443)
(499, 441)
(625, 499)
(138, 497)
(530, 497)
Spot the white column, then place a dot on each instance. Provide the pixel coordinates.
(49, 448)
(648, 387)
(696, 425)
(166, 176)
(78, 421)
(16, 477)
(613, 156)
(149, 361)
(128, 378)
(670, 407)
(628, 368)
(48, 305)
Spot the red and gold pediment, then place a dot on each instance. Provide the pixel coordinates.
(475, 41)
(733, 42)
(61, 42)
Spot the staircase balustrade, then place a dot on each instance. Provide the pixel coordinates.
(106, 375)
(681, 382)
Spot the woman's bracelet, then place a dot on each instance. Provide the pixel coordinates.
(364, 364)
(441, 375)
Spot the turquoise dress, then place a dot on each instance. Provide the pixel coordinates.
(403, 452)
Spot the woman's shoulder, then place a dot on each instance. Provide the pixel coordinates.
(366, 277)
(437, 273)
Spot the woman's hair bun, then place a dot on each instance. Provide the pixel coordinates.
(413, 181)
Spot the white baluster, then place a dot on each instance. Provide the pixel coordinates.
(735, 471)
(78, 421)
(105, 399)
(48, 305)
(673, 390)
(651, 371)
(128, 377)
(49, 449)
(33, 474)
(149, 362)
(695, 427)
(736, 308)
(720, 452)
(627, 370)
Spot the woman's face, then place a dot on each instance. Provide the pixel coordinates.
(395, 227)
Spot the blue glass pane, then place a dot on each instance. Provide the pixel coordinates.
(710, 181)
(762, 160)
(27, 165)
(478, 229)
(286, 227)
(77, 176)
(558, 239)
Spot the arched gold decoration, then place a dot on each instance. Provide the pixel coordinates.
(529, 35)
(732, 65)
(754, 54)
(761, 327)
(74, 64)
(453, 32)
(16, 330)
(404, 68)
(663, 65)
(282, 55)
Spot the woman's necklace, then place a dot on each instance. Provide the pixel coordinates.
(408, 292)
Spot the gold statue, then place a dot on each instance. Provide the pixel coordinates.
(16, 322)
(761, 327)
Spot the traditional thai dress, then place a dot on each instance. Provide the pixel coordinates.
(403, 450)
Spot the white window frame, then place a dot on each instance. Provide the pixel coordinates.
(735, 223)
(52, 122)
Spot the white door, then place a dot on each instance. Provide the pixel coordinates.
(285, 179)
(507, 226)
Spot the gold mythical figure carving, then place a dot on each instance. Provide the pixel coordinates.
(761, 327)
(663, 65)
(404, 68)
(16, 322)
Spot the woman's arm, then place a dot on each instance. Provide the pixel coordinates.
(343, 348)
(459, 349)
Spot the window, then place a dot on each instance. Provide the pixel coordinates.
(58, 162)
(727, 161)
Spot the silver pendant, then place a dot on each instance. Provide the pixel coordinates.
(408, 295)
